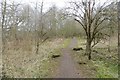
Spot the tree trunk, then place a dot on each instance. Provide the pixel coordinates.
(4, 3)
(37, 47)
(109, 50)
(119, 29)
(37, 41)
(88, 48)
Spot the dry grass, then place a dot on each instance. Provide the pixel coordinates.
(87, 70)
(20, 60)
(103, 64)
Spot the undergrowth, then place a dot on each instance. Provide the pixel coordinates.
(104, 63)
(24, 63)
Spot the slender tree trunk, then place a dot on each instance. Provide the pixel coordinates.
(41, 29)
(88, 48)
(37, 49)
(119, 31)
(109, 50)
(4, 3)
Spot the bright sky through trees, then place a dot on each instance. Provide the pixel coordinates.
(58, 3)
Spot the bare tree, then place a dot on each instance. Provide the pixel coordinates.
(11, 19)
(3, 8)
(118, 28)
(90, 16)
(3, 12)
(41, 34)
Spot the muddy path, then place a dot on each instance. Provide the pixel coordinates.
(67, 68)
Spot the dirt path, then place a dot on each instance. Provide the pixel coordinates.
(67, 68)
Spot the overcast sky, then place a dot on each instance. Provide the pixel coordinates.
(59, 3)
(48, 3)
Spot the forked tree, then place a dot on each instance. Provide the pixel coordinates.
(90, 14)
(41, 35)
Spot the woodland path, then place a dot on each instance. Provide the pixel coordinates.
(67, 68)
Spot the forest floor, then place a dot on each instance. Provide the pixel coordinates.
(20, 60)
(68, 67)
(74, 64)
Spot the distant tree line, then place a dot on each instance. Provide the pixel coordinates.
(86, 18)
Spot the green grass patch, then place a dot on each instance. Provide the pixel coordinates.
(66, 42)
(105, 70)
(49, 65)
(104, 64)
(81, 42)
